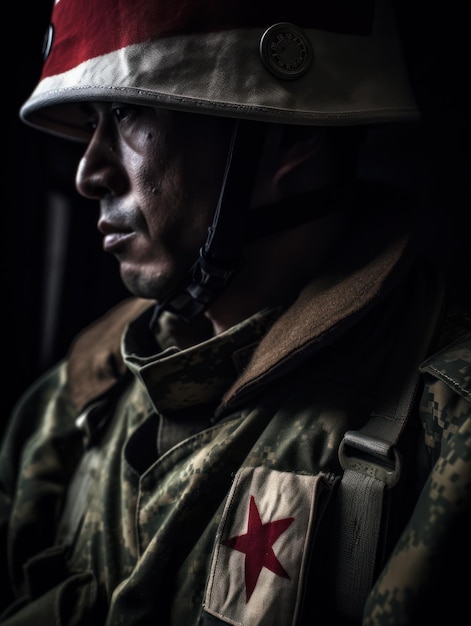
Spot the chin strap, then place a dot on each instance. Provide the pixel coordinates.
(220, 256)
(234, 225)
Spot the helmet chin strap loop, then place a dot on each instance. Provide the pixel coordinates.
(220, 256)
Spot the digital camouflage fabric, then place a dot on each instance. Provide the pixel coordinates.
(426, 578)
(197, 485)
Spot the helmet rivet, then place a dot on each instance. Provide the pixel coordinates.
(285, 50)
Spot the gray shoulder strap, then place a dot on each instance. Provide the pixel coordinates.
(371, 460)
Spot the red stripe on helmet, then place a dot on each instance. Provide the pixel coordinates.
(84, 29)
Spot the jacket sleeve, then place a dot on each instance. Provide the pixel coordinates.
(425, 578)
(34, 417)
(42, 444)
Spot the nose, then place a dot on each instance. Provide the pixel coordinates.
(100, 171)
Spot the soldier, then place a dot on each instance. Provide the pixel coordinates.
(274, 429)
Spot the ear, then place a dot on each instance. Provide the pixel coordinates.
(293, 158)
(306, 159)
(313, 157)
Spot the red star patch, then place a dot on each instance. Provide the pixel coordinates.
(256, 544)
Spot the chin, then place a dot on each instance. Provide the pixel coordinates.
(152, 286)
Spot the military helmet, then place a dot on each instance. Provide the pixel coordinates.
(316, 62)
(309, 63)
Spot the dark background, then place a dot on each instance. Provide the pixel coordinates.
(54, 275)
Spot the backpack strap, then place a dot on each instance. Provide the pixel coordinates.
(370, 457)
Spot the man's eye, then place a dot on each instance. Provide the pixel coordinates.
(121, 112)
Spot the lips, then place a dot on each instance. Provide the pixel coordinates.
(116, 241)
(116, 235)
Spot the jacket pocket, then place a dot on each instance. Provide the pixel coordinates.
(262, 549)
(55, 596)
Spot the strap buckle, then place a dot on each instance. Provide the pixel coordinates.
(370, 456)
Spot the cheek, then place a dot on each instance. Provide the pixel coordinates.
(176, 213)
(153, 182)
(176, 186)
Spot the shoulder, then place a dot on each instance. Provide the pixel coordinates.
(94, 359)
(450, 362)
(446, 398)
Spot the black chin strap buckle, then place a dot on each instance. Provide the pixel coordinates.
(208, 281)
(209, 278)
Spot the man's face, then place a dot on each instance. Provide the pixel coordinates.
(157, 175)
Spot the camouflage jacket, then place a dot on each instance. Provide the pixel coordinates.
(146, 481)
